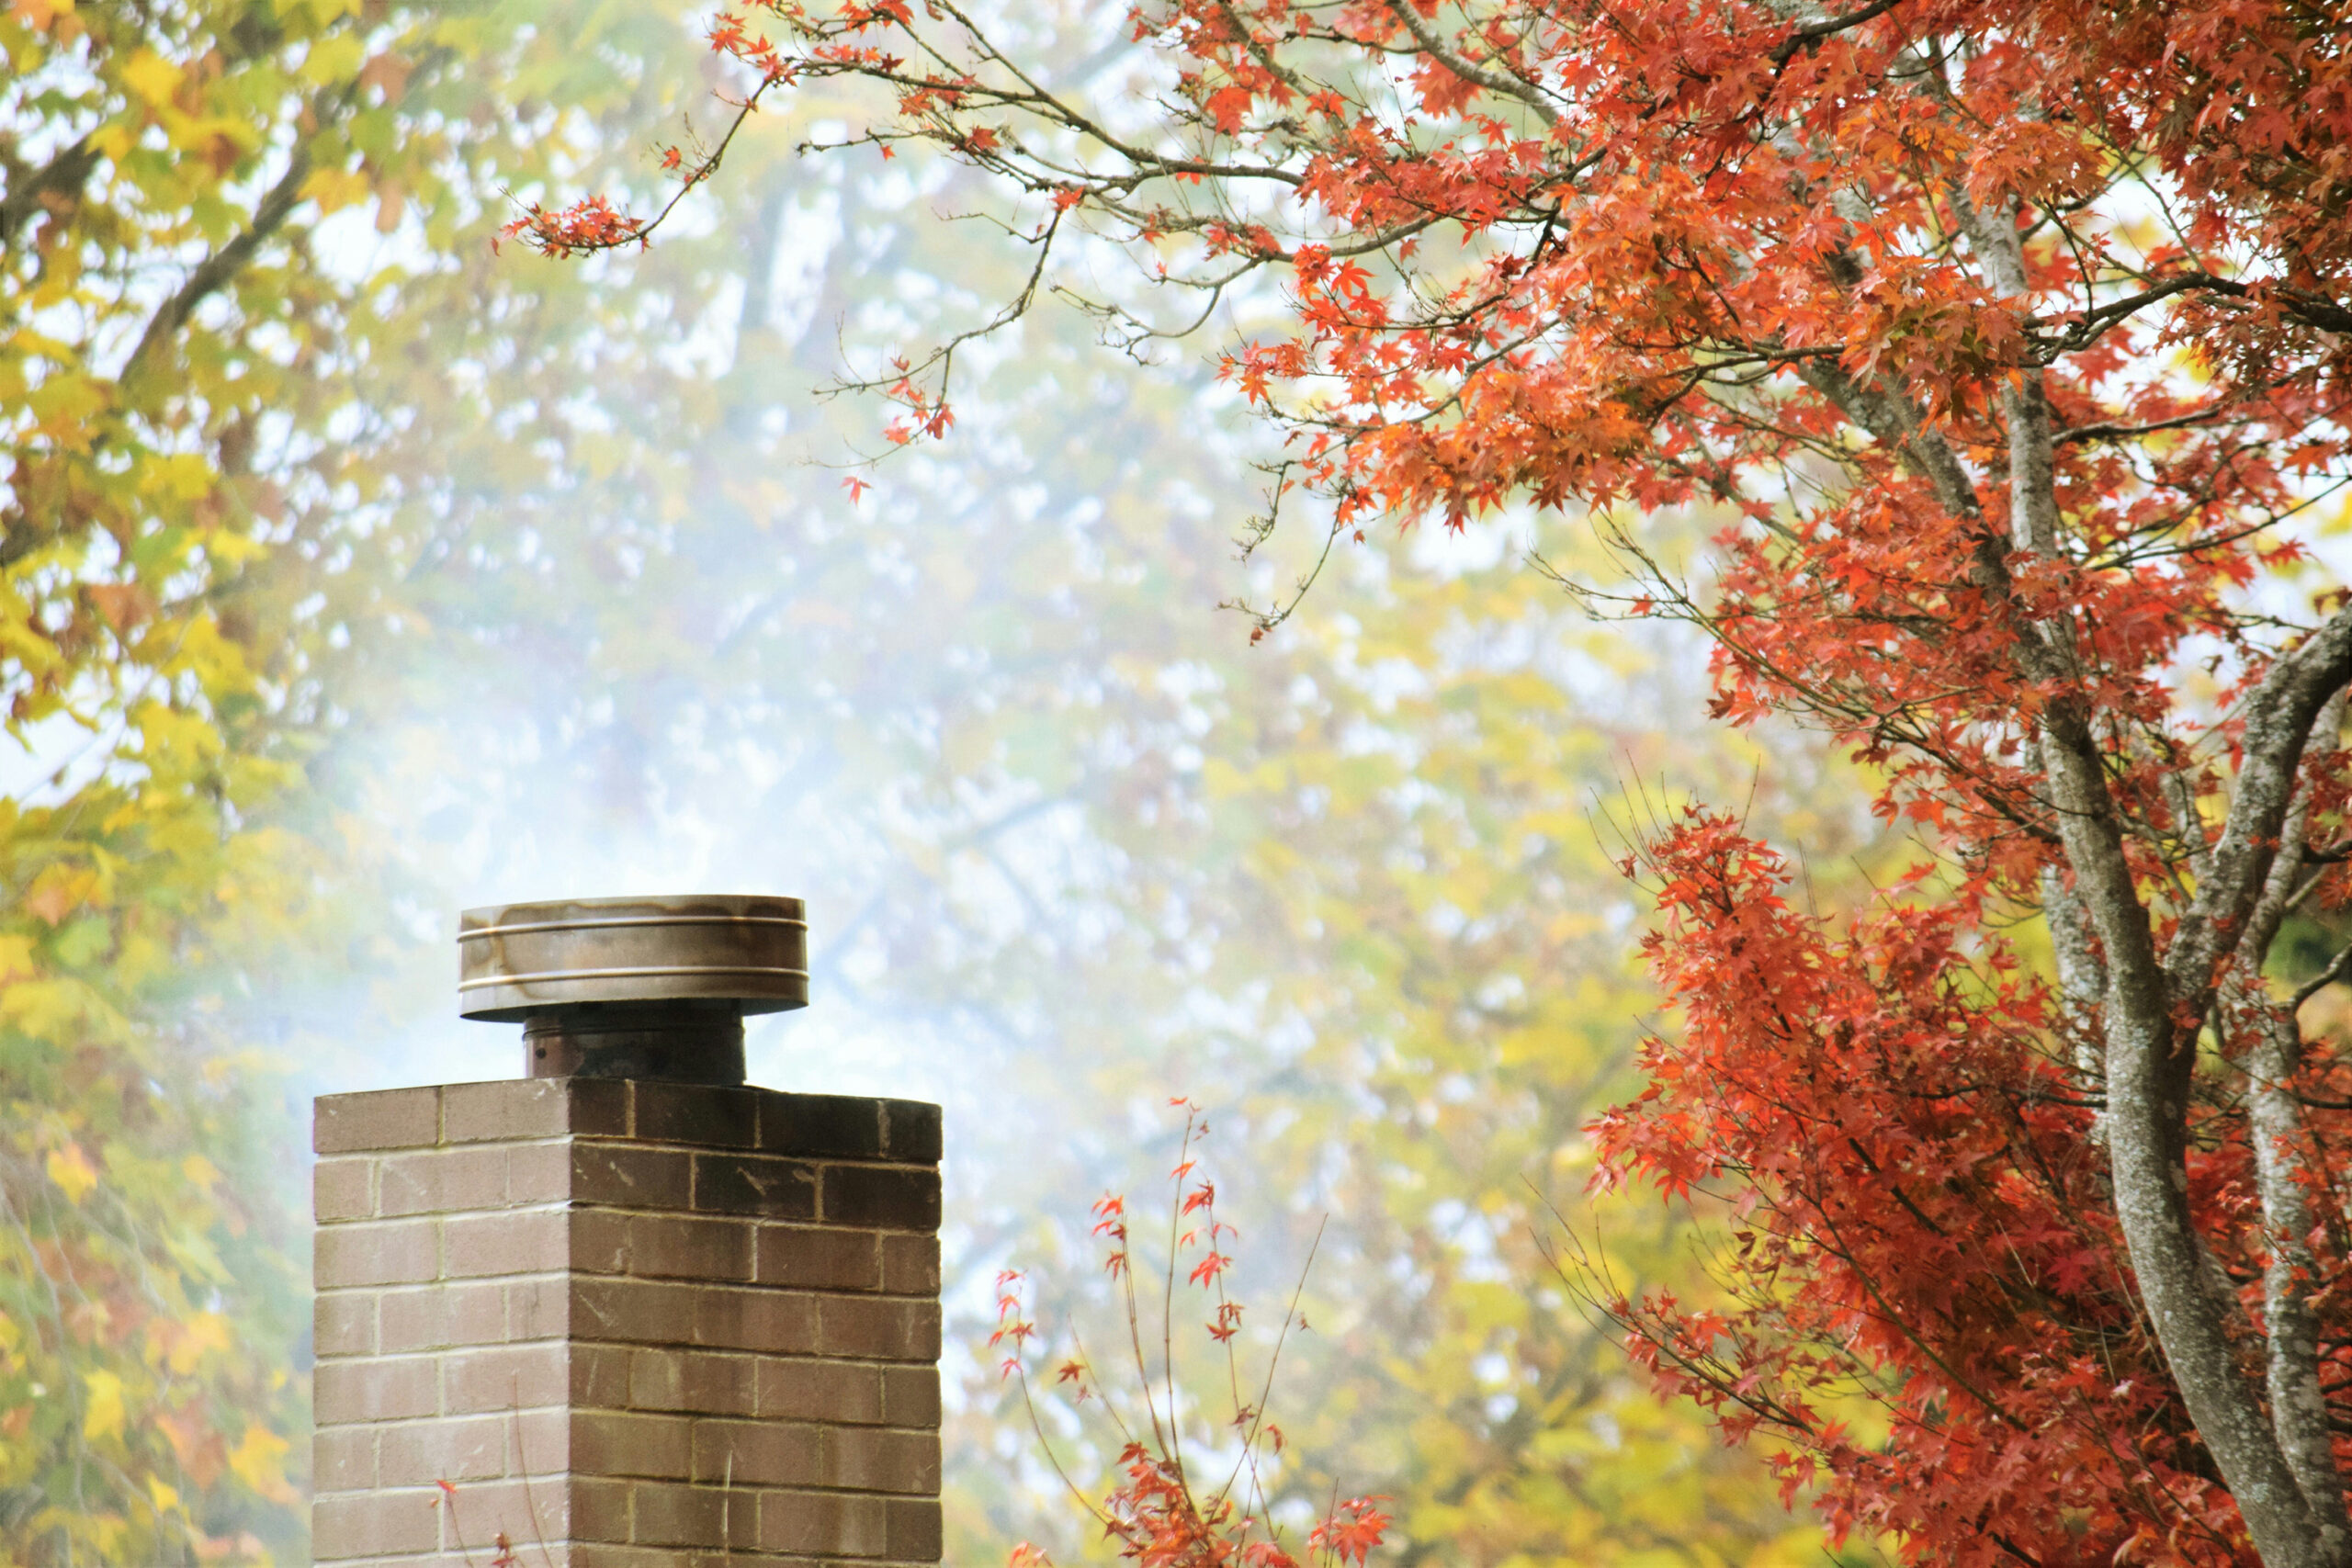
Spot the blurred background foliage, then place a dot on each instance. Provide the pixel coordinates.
(355, 573)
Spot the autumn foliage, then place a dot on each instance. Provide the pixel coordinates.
(2010, 341)
(1179, 1497)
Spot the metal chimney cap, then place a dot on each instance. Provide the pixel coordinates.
(748, 952)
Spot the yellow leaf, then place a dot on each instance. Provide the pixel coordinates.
(102, 1417)
(152, 77)
(199, 1171)
(335, 188)
(166, 1498)
(259, 1462)
(73, 1172)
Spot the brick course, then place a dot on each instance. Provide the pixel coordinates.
(639, 1324)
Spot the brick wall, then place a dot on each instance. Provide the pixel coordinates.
(634, 1322)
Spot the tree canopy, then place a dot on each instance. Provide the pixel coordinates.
(2008, 343)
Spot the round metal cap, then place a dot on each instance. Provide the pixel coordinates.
(517, 960)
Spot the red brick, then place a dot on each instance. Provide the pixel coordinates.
(680, 1247)
(539, 1309)
(911, 1265)
(703, 1114)
(395, 1389)
(877, 1459)
(534, 1107)
(343, 1459)
(910, 1396)
(754, 1184)
(539, 1442)
(437, 1316)
(599, 1376)
(612, 1442)
(533, 1512)
(758, 1453)
(693, 1381)
(420, 1454)
(820, 1259)
(914, 1530)
(776, 1322)
(600, 1509)
(342, 1190)
(391, 1253)
(433, 1182)
(600, 1241)
(645, 1312)
(342, 1323)
(886, 1196)
(513, 1378)
(384, 1118)
(821, 1391)
(823, 1524)
(628, 1177)
(374, 1524)
(912, 1130)
(882, 1327)
(532, 1241)
(538, 1173)
(664, 1513)
(836, 1124)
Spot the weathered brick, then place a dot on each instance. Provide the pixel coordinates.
(391, 1252)
(600, 1509)
(821, 1391)
(342, 1190)
(911, 1265)
(628, 1177)
(529, 1511)
(882, 1327)
(599, 1376)
(381, 1118)
(534, 1107)
(392, 1390)
(835, 1125)
(820, 1259)
(529, 1241)
(885, 1196)
(754, 1184)
(420, 1453)
(612, 1442)
(539, 1442)
(681, 1246)
(673, 1514)
(695, 1380)
(431, 1181)
(343, 1459)
(704, 1114)
(539, 1309)
(776, 1322)
(509, 1377)
(437, 1316)
(823, 1524)
(342, 1323)
(758, 1453)
(600, 1240)
(878, 1458)
(374, 1524)
(645, 1312)
(914, 1134)
(914, 1530)
(538, 1173)
(910, 1396)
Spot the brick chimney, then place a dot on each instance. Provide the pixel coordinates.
(622, 1321)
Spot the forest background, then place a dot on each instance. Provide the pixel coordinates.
(366, 574)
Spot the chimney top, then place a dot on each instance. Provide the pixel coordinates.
(634, 987)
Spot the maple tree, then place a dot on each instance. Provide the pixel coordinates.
(2010, 338)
